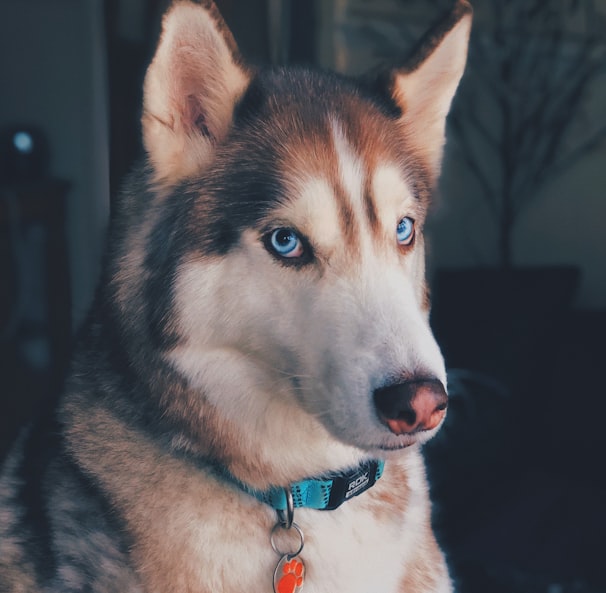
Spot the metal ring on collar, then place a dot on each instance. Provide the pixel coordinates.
(275, 546)
(286, 517)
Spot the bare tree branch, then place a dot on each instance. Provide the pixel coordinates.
(468, 155)
(569, 160)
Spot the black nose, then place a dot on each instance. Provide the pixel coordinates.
(411, 406)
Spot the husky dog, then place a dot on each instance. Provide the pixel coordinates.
(249, 395)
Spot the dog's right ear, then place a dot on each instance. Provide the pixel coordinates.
(190, 90)
(424, 86)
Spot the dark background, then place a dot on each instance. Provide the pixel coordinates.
(517, 473)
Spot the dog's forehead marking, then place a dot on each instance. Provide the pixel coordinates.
(350, 165)
(375, 187)
(347, 195)
(349, 187)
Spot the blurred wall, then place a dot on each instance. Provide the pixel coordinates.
(52, 74)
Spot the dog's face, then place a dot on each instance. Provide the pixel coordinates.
(298, 291)
(315, 271)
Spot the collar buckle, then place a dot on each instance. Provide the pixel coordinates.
(347, 486)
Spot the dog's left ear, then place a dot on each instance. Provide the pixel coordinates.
(424, 87)
(190, 90)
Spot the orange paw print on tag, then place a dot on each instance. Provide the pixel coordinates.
(292, 578)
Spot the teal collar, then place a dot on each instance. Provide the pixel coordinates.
(325, 493)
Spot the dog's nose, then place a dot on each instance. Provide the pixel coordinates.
(411, 406)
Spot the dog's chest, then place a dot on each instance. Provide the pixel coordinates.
(361, 547)
(343, 551)
(354, 552)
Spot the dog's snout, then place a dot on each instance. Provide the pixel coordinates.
(411, 406)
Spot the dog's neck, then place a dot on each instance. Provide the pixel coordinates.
(322, 493)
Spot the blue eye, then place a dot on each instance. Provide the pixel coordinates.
(286, 243)
(405, 231)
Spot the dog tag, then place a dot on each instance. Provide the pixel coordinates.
(289, 574)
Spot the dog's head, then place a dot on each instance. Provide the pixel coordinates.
(283, 241)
